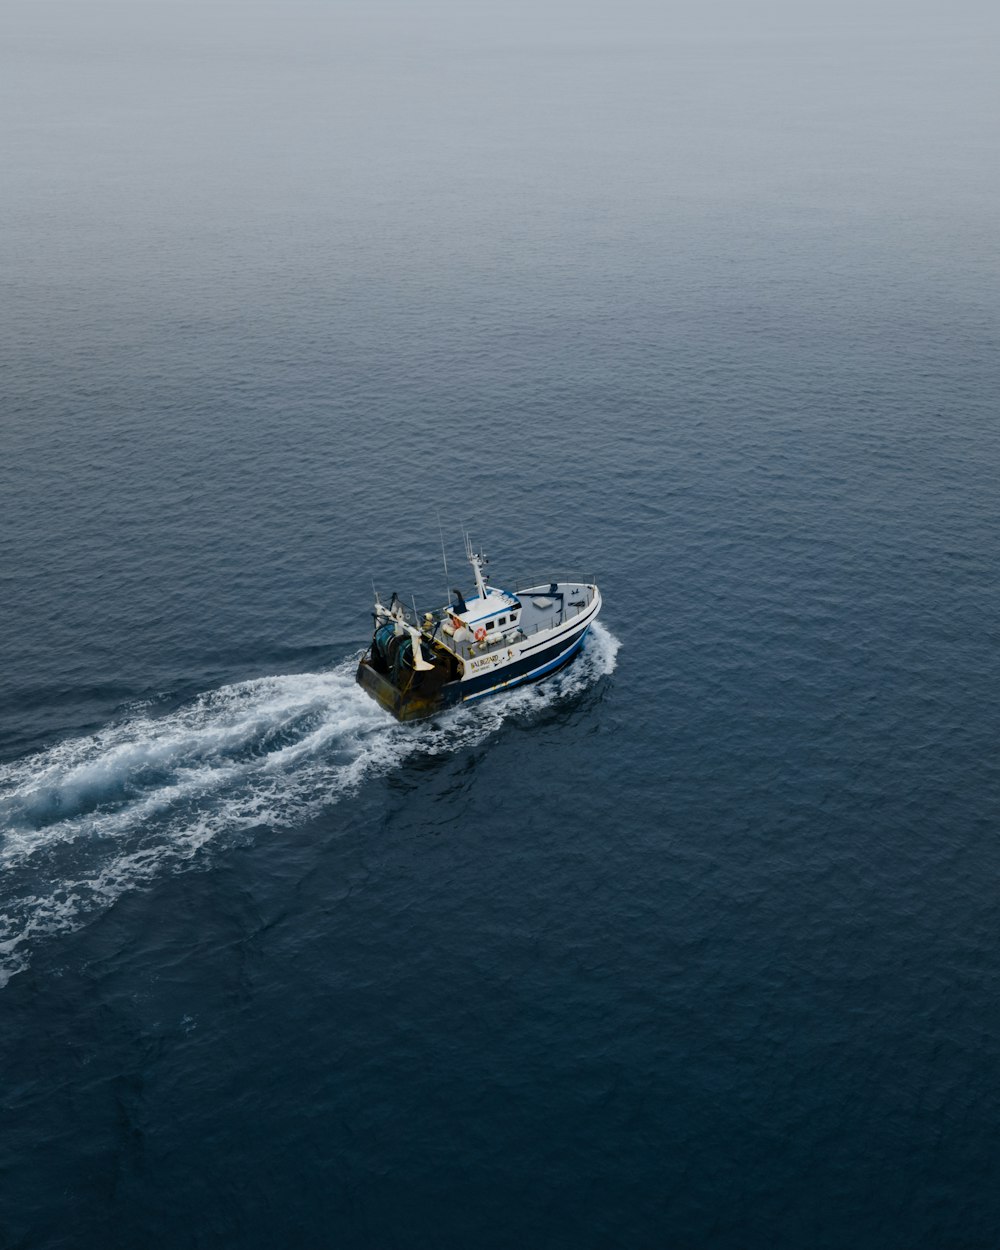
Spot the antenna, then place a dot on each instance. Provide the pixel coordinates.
(447, 588)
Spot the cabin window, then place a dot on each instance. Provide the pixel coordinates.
(490, 624)
(502, 621)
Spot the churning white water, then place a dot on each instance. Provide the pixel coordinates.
(92, 817)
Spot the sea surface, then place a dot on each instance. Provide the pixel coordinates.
(696, 945)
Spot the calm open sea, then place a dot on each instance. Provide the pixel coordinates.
(696, 946)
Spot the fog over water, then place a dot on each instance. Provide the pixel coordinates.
(694, 945)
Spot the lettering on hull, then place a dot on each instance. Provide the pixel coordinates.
(485, 661)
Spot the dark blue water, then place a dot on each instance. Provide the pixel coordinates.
(698, 944)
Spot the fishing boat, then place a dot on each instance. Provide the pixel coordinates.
(418, 664)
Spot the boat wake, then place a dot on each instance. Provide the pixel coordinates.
(91, 818)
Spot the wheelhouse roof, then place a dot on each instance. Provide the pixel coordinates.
(496, 602)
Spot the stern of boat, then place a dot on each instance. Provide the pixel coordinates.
(404, 705)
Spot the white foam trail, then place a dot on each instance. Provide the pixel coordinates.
(93, 817)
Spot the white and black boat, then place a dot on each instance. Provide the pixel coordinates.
(418, 664)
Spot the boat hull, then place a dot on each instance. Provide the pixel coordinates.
(530, 666)
(549, 657)
(453, 671)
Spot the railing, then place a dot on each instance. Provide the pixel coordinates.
(546, 579)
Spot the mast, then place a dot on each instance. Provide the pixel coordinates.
(478, 562)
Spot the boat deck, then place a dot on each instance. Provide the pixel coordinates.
(543, 606)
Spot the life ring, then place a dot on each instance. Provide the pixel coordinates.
(456, 623)
(480, 634)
